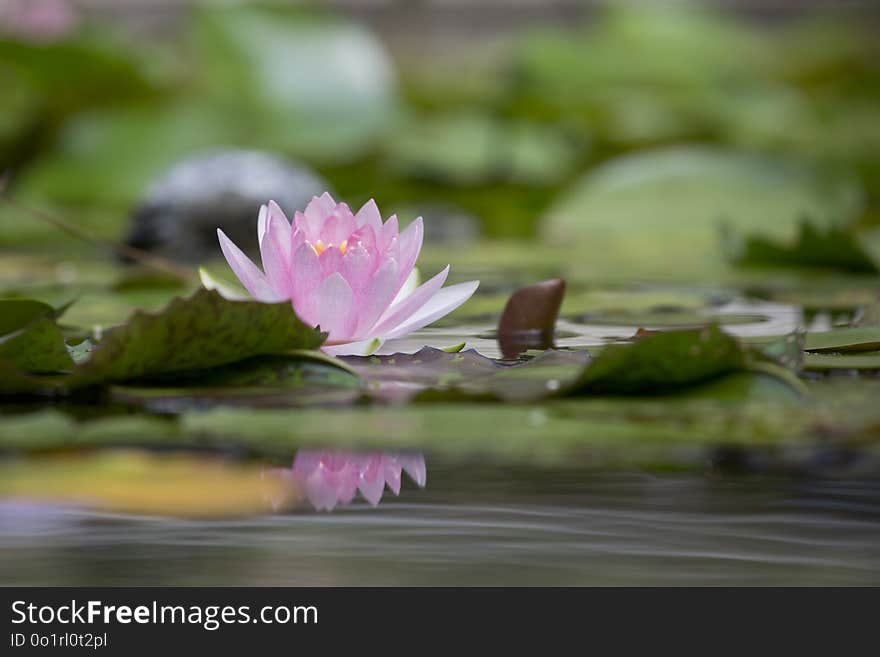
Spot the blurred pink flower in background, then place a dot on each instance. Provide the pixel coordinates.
(351, 274)
(333, 477)
(38, 21)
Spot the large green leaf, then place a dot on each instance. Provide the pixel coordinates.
(199, 332)
(37, 348)
(15, 314)
(30, 341)
(301, 378)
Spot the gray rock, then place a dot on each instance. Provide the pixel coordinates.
(179, 215)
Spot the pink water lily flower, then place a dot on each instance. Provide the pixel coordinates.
(334, 477)
(351, 274)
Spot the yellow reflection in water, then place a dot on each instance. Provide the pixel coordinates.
(135, 481)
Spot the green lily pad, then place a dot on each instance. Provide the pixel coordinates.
(844, 339)
(30, 341)
(15, 314)
(37, 348)
(299, 378)
(14, 381)
(199, 332)
(663, 209)
(662, 362)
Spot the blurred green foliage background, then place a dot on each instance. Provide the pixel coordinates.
(646, 132)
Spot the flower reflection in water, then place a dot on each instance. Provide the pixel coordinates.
(330, 477)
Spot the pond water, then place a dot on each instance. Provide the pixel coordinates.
(587, 491)
(481, 524)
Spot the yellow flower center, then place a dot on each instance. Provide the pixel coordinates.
(319, 247)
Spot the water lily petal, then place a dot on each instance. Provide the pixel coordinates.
(247, 272)
(391, 471)
(387, 235)
(331, 261)
(357, 267)
(402, 310)
(442, 303)
(410, 241)
(358, 348)
(409, 286)
(331, 307)
(316, 212)
(262, 217)
(415, 467)
(275, 250)
(372, 482)
(369, 215)
(376, 297)
(322, 494)
(306, 274)
(338, 226)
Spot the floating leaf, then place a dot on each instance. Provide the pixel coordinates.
(820, 362)
(844, 339)
(832, 246)
(38, 348)
(201, 331)
(30, 340)
(661, 362)
(298, 379)
(15, 314)
(399, 377)
(529, 318)
(14, 381)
